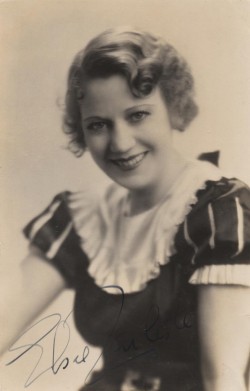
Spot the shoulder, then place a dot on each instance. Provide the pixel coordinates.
(220, 221)
(223, 211)
(224, 190)
(52, 233)
(50, 223)
(67, 210)
(73, 217)
(218, 230)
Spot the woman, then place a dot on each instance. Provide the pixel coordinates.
(160, 262)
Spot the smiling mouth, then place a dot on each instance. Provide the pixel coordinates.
(131, 162)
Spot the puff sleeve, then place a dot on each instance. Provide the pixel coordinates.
(217, 234)
(53, 233)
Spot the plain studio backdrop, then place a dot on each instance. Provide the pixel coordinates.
(38, 42)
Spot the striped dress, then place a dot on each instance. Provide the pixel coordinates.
(139, 306)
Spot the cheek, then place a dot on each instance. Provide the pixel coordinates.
(163, 136)
(96, 145)
(156, 140)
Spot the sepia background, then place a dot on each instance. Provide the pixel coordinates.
(38, 42)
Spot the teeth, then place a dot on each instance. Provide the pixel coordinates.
(130, 162)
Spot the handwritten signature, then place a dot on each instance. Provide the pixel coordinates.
(60, 360)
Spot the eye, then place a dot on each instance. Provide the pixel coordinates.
(97, 126)
(139, 115)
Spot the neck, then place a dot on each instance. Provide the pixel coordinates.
(146, 198)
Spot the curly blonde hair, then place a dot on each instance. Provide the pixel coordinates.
(145, 60)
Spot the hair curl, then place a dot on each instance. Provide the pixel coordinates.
(146, 61)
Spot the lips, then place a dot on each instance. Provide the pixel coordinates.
(129, 163)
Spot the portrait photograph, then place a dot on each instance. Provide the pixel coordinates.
(125, 199)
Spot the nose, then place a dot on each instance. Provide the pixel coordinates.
(122, 138)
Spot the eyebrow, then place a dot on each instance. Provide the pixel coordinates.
(128, 110)
(139, 106)
(94, 118)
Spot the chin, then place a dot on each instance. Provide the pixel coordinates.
(134, 183)
(130, 179)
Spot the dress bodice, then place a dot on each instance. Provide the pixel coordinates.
(150, 333)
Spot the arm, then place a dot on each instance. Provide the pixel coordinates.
(224, 325)
(24, 294)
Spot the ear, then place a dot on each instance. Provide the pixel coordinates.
(175, 121)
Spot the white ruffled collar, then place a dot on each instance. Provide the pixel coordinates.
(129, 250)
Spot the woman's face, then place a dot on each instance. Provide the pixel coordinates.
(129, 138)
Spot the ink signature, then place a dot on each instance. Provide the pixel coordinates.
(60, 359)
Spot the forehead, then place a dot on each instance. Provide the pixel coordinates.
(106, 96)
(99, 89)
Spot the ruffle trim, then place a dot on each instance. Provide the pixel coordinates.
(88, 223)
(92, 221)
(222, 275)
(176, 211)
(131, 279)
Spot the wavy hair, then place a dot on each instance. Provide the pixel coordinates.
(146, 61)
